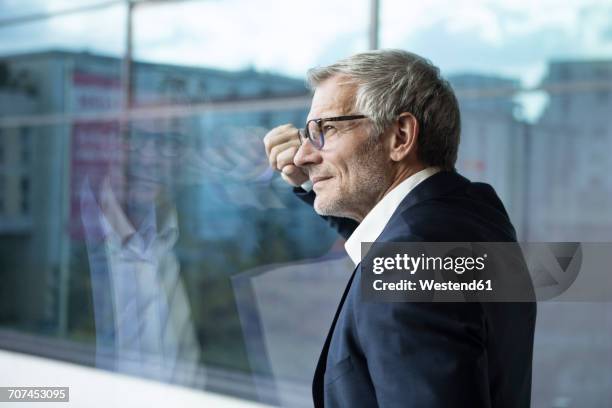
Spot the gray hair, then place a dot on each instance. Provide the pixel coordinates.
(390, 82)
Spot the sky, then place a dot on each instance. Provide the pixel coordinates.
(512, 38)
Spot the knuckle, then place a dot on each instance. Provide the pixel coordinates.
(274, 151)
(284, 162)
(272, 162)
(272, 158)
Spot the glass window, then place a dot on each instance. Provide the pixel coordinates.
(142, 231)
(147, 227)
(2, 192)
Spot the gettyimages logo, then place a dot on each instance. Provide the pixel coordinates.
(486, 271)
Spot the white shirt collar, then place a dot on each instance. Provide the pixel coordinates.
(375, 221)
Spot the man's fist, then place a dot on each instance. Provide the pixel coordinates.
(282, 143)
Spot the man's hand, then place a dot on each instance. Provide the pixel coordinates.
(282, 143)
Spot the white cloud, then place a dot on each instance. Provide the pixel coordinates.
(98, 30)
(281, 36)
(481, 19)
(510, 37)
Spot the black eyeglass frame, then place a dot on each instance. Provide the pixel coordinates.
(305, 133)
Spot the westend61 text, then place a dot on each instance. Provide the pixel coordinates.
(430, 284)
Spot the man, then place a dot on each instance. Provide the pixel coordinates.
(379, 148)
(144, 324)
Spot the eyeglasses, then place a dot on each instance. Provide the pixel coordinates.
(316, 129)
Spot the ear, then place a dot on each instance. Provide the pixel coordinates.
(404, 138)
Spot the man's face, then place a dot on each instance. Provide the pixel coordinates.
(151, 158)
(350, 173)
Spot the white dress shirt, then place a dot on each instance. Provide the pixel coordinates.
(141, 307)
(375, 221)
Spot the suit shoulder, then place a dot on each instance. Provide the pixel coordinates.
(471, 214)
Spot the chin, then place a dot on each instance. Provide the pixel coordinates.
(321, 206)
(327, 207)
(319, 209)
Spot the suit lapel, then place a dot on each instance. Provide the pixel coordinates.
(317, 382)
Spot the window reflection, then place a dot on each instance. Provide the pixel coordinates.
(140, 222)
(158, 243)
(143, 318)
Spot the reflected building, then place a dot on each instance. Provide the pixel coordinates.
(17, 218)
(40, 199)
(492, 147)
(570, 189)
(15, 164)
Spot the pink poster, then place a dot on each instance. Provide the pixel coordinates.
(96, 146)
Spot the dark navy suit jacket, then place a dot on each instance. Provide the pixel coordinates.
(426, 355)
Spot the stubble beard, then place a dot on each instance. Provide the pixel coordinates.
(370, 181)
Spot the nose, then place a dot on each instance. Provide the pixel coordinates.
(307, 155)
